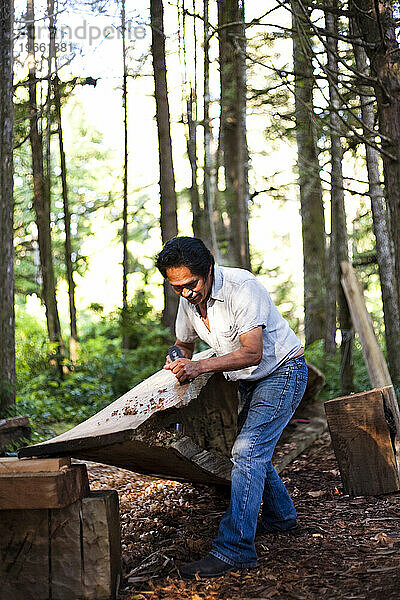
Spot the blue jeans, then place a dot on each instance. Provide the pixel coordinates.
(266, 407)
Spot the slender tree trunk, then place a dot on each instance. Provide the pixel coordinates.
(209, 235)
(192, 154)
(54, 87)
(7, 320)
(312, 212)
(378, 27)
(380, 221)
(168, 220)
(191, 115)
(232, 58)
(73, 345)
(40, 199)
(50, 64)
(125, 341)
(337, 201)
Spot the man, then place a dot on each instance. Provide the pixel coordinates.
(231, 311)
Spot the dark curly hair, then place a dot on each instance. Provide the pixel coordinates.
(185, 252)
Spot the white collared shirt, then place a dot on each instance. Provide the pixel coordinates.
(237, 304)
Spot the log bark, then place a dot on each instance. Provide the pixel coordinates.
(297, 437)
(7, 317)
(365, 430)
(168, 204)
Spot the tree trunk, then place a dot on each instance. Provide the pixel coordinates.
(73, 346)
(192, 155)
(168, 220)
(232, 58)
(209, 234)
(125, 341)
(54, 87)
(7, 320)
(337, 202)
(41, 200)
(380, 223)
(378, 27)
(51, 59)
(312, 213)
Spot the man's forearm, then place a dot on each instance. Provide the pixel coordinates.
(249, 354)
(239, 359)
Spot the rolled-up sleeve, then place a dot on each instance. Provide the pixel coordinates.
(251, 306)
(184, 329)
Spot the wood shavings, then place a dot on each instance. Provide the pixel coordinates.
(345, 548)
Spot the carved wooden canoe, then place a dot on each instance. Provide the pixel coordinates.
(162, 428)
(159, 427)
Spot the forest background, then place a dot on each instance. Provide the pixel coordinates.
(271, 132)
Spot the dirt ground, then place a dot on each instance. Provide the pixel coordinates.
(346, 548)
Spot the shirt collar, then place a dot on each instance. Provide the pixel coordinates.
(217, 286)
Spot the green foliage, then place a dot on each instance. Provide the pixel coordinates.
(102, 374)
(331, 369)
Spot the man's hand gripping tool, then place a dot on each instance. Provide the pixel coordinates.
(174, 352)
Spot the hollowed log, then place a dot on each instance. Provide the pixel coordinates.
(162, 428)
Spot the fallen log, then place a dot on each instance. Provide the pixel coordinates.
(161, 428)
(14, 431)
(374, 358)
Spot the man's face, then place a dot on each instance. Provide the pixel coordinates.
(192, 287)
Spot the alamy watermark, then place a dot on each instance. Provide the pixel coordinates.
(66, 36)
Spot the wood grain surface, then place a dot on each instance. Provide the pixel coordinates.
(10, 464)
(364, 432)
(71, 553)
(43, 490)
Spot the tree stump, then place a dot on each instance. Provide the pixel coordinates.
(71, 553)
(365, 432)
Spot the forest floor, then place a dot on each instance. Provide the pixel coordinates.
(345, 548)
